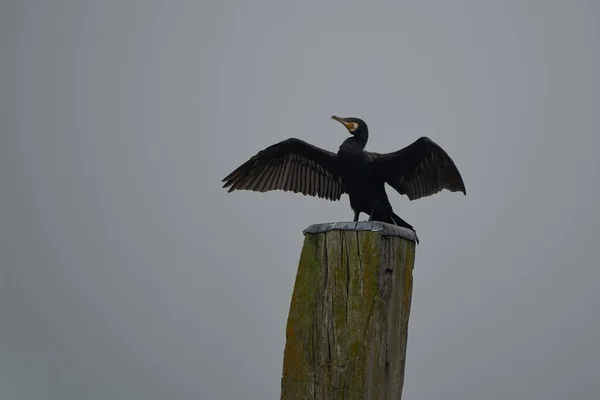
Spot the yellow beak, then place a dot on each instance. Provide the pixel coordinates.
(342, 121)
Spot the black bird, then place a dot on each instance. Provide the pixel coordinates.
(421, 169)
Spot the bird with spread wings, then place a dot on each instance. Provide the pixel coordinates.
(420, 169)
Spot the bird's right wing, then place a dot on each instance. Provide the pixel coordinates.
(420, 169)
(291, 165)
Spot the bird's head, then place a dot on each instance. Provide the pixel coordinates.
(355, 126)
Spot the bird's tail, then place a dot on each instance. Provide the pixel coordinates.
(396, 220)
(391, 218)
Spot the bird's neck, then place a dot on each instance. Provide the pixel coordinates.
(355, 142)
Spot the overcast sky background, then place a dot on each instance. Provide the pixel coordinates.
(126, 272)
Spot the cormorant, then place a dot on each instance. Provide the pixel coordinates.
(421, 169)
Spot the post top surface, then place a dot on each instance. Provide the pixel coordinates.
(373, 226)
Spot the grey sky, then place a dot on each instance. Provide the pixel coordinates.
(126, 272)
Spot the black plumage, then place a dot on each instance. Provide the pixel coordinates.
(421, 169)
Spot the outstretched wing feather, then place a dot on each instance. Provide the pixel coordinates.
(421, 169)
(291, 165)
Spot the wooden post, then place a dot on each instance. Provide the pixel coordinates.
(348, 320)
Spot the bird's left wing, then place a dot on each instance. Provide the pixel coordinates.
(290, 165)
(421, 169)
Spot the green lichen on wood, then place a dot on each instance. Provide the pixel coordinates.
(346, 330)
(301, 312)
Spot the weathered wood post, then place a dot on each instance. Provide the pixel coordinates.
(348, 320)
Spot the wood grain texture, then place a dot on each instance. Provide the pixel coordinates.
(348, 320)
